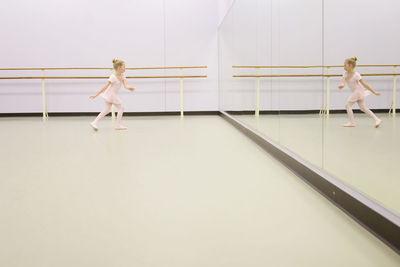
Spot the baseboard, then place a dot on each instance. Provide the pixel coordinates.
(298, 112)
(77, 114)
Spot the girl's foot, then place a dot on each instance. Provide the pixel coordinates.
(349, 124)
(378, 122)
(94, 126)
(120, 127)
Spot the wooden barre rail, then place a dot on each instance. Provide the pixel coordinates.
(295, 67)
(97, 77)
(72, 68)
(312, 75)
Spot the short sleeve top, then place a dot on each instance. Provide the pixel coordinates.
(354, 81)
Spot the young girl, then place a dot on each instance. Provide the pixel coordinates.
(355, 81)
(111, 94)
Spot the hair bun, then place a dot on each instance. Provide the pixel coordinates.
(355, 58)
(114, 60)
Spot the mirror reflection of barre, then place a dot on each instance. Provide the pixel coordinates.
(323, 110)
(181, 77)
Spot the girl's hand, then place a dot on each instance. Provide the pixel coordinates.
(93, 96)
(131, 89)
(377, 93)
(341, 86)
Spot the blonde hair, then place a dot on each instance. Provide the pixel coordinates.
(117, 63)
(352, 61)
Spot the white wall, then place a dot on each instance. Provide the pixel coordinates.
(288, 32)
(172, 32)
(79, 33)
(370, 30)
(266, 32)
(223, 8)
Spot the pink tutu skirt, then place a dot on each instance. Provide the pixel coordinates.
(358, 95)
(111, 98)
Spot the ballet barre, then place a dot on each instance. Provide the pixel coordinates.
(79, 68)
(43, 78)
(305, 67)
(99, 77)
(323, 110)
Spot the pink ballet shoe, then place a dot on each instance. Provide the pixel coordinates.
(378, 123)
(94, 126)
(121, 127)
(349, 124)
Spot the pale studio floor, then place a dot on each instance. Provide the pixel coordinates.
(167, 192)
(363, 157)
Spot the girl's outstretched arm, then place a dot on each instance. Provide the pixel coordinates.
(101, 90)
(343, 83)
(368, 87)
(128, 87)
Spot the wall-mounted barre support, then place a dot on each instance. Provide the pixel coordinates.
(328, 92)
(393, 106)
(257, 111)
(181, 90)
(112, 106)
(44, 106)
